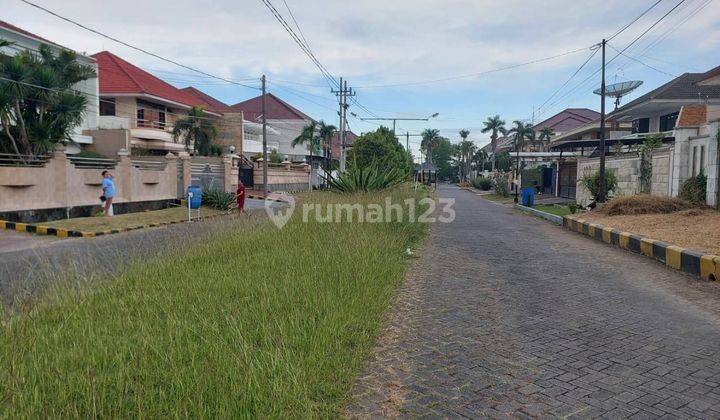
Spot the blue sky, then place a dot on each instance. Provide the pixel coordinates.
(373, 42)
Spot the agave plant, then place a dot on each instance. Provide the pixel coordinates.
(365, 180)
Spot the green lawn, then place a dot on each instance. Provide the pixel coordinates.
(499, 198)
(553, 209)
(258, 322)
(99, 223)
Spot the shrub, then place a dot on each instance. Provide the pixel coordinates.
(573, 207)
(500, 182)
(643, 204)
(482, 183)
(366, 179)
(218, 199)
(592, 183)
(694, 189)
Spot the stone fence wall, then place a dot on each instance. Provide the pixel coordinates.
(627, 171)
(63, 184)
(283, 176)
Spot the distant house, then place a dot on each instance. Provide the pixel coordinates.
(137, 111)
(23, 40)
(286, 123)
(336, 148)
(684, 113)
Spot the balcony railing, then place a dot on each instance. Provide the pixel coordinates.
(160, 125)
(92, 163)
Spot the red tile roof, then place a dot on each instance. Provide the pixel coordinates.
(117, 76)
(14, 28)
(692, 116)
(276, 109)
(212, 103)
(569, 119)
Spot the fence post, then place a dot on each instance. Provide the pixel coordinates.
(187, 174)
(171, 173)
(713, 159)
(124, 176)
(307, 168)
(230, 181)
(60, 165)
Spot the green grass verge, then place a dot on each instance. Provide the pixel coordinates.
(258, 322)
(553, 209)
(121, 221)
(499, 198)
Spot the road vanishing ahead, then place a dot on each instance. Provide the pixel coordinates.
(505, 315)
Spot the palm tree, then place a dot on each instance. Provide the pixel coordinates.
(480, 157)
(464, 134)
(430, 139)
(519, 133)
(196, 130)
(466, 150)
(545, 135)
(316, 136)
(494, 125)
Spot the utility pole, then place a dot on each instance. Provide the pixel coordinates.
(601, 173)
(343, 93)
(264, 143)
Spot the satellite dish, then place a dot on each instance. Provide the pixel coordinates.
(618, 90)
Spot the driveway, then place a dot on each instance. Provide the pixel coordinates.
(506, 315)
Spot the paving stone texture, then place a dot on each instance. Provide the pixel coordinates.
(504, 315)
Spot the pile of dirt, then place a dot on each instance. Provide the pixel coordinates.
(644, 204)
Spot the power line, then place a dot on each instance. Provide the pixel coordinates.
(465, 76)
(278, 16)
(135, 47)
(621, 30)
(569, 79)
(642, 62)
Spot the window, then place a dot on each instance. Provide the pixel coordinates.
(107, 106)
(641, 125)
(694, 161)
(667, 122)
(701, 168)
(141, 118)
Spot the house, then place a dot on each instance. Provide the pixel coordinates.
(684, 113)
(23, 40)
(286, 123)
(336, 145)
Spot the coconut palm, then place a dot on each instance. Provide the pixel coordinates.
(196, 130)
(479, 158)
(466, 150)
(519, 133)
(493, 125)
(544, 136)
(464, 134)
(316, 136)
(430, 139)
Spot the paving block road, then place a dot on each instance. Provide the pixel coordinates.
(505, 315)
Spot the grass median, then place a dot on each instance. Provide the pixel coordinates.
(258, 322)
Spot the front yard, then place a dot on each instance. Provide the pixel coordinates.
(258, 322)
(694, 229)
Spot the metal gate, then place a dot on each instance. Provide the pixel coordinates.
(568, 179)
(207, 175)
(246, 177)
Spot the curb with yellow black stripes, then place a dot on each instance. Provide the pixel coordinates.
(69, 233)
(704, 266)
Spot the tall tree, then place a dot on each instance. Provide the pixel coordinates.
(466, 150)
(430, 140)
(38, 105)
(494, 125)
(380, 149)
(479, 158)
(197, 131)
(544, 136)
(520, 132)
(464, 134)
(316, 136)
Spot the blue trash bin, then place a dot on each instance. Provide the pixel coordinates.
(196, 199)
(528, 197)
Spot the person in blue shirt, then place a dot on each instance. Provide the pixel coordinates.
(108, 187)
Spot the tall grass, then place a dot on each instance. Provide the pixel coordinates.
(259, 322)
